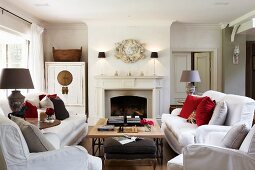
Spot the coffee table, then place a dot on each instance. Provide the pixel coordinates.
(42, 125)
(98, 136)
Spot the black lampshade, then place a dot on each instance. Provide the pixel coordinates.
(101, 55)
(154, 54)
(16, 78)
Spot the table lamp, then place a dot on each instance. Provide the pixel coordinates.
(16, 78)
(154, 55)
(190, 76)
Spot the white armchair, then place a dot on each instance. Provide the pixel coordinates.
(16, 155)
(200, 157)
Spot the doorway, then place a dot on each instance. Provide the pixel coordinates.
(250, 69)
(201, 61)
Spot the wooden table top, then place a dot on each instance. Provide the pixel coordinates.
(42, 125)
(94, 133)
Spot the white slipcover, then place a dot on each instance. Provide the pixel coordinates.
(179, 133)
(17, 156)
(201, 157)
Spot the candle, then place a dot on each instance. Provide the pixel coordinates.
(42, 116)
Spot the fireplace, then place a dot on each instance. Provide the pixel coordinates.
(130, 102)
(108, 87)
(129, 105)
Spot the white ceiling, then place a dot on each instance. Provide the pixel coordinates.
(189, 11)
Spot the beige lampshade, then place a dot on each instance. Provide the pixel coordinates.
(190, 76)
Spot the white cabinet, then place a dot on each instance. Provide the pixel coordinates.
(74, 99)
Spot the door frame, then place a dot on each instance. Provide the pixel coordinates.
(216, 79)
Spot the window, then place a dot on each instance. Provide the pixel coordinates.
(13, 53)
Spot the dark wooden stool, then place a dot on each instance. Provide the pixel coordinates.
(144, 149)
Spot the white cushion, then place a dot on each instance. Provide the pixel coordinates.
(214, 95)
(46, 103)
(219, 114)
(240, 109)
(33, 98)
(248, 144)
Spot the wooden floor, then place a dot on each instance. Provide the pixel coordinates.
(168, 153)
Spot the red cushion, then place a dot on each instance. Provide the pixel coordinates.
(31, 110)
(190, 105)
(204, 111)
(50, 96)
(41, 96)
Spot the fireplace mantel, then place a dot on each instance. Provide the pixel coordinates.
(153, 83)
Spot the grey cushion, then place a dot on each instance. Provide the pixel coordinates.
(145, 146)
(219, 114)
(235, 136)
(36, 142)
(248, 144)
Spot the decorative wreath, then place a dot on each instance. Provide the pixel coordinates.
(129, 51)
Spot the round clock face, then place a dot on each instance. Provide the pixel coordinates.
(65, 78)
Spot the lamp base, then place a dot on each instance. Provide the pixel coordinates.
(190, 89)
(16, 99)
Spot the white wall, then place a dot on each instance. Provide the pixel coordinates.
(197, 37)
(71, 36)
(102, 36)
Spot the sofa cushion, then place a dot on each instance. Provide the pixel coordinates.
(214, 95)
(240, 109)
(67, 126)
(190, 105)
(46, 103)
(204, 111)
(219, 114)
(182, 130)
(30, 111)
(33, 98)
(36, 142)
(248, 144)
(235, 136)
(60, 110)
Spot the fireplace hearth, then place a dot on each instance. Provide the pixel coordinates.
(129, 106)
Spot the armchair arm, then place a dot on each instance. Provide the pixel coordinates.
(68, 158)
(198, 157)
(207, 133)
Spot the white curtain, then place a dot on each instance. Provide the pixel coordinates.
(36, 59)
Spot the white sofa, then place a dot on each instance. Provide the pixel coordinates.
(179, 133)
(70, 131)
(15, 154)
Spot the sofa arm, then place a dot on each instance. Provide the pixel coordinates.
(206, 133)
(176, 112)
(198, 157)
(68, 158)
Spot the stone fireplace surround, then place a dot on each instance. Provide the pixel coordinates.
(144, 86)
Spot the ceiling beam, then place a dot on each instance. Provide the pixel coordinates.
(243, 19)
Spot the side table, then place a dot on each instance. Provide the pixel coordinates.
(174, 106)
(42, 125)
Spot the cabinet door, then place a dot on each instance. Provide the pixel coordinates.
(75, 96)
